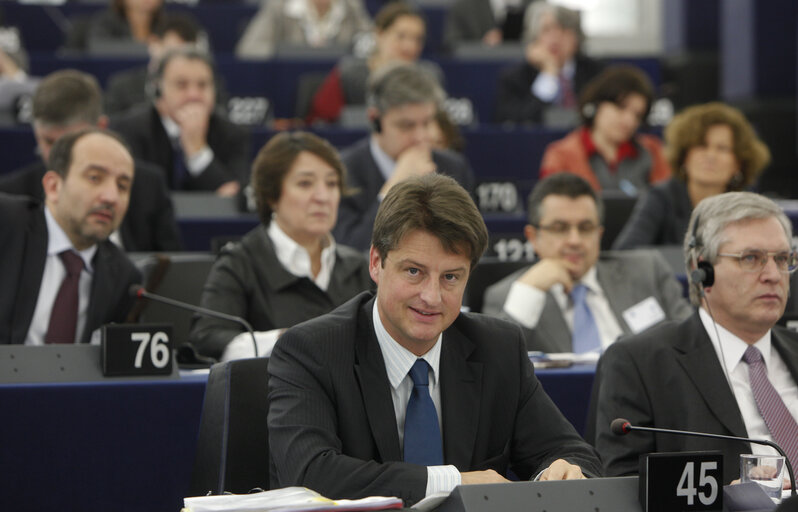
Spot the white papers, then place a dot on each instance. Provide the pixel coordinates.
(431, 502)
(293, 499)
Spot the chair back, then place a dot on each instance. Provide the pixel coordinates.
(487, 272)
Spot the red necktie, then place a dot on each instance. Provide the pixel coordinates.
(63, 324)
(567, 95)
(776, 415)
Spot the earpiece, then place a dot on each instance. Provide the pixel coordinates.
(703, 275)
(589, 110)
(376, 123)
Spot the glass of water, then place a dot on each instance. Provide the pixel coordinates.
(766, 470)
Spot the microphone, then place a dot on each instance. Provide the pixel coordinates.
(621, 427)
(139, 292)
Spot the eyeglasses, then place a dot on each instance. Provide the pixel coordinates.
(754, 260)
(584, 229)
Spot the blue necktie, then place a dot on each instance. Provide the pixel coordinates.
(586, 336)
(423, 443)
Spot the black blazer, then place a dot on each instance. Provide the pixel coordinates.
(149, 224)
(144, 132)
(248, 280)
(661, 217)
(514, 99)
(332, 425)
(356, 213)
(670, 377)
(24, 243)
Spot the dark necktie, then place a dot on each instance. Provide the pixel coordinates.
(777, 417)
(63, 324)
(423, 444)
(567, 96)
(179, 167)
(586, 335)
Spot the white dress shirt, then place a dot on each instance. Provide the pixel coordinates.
(524, 304)
(398, 361)
(52, 277)
(736, 371)
(296, 260)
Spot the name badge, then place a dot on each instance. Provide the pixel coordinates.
(643, 315)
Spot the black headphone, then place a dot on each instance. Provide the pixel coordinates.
(704, 273)
(376, 123)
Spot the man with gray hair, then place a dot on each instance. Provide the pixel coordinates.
(554, 70)
(728, 369)
(401, 104)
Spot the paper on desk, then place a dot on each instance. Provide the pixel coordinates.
(583, 358)
(293, 499)
(431, 502)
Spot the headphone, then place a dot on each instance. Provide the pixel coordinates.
(376, 123)
(703, 274)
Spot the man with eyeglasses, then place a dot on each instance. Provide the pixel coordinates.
(728, 369)
(574, 299)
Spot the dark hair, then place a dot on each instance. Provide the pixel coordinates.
(453, 139)
(182, 24)
(436, 204)
(560, 184)
(185, 52)
(118, 6)
(397, 85)
(689, 130)
(392, 11)
(275, 159)
(614, 85)
(61, 152)
(67, 97)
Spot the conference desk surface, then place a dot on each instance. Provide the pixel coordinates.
(129, 445)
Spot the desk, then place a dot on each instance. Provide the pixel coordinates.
(129, 446)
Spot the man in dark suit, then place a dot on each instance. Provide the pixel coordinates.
(624, 292)
(727, 369)
(197, 147)
(68, 101)
(402, 101)
(554, 70)
(63, 278)
(400, 394)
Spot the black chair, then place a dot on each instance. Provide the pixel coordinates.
(233, 445)
(487, 272)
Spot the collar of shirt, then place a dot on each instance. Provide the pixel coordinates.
(399, 360)
(733, 346)
(590, 280)
(385, 163)
(296, 259)
(172, 128)
(625, 150)
(58, 242)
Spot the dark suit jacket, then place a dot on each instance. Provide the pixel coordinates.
(469, 20)
(149, 224)
(514, 99)
(332, 425)
(248, 280)
(144, 132)
(661, 217)
(24, 243)
(626, 278)
(356, 213)
(670, 377)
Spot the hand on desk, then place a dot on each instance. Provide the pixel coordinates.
(488, 476)
(562, 470)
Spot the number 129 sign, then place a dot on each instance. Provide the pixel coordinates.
(137, 350)
(681, 481)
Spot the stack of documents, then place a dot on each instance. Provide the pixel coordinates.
(289, 499)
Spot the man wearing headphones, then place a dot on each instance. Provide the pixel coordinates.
(197, 147)
(728, 369)
(402, 101)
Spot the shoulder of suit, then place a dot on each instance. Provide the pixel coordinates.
(449, 157)
(356, 150)
(11, 204)
(481, 328)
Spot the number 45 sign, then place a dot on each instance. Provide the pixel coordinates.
(681, 481)
(137, 350)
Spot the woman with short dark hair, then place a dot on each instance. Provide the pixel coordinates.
(289, 269)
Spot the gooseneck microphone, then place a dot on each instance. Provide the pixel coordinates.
(621, 427)
(139, 292)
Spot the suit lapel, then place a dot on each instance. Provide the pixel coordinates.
(35, 256)
(461, 392)
(374, 387)
(102, 286)
(610, 276)
(700, 361)
(787, 349)
(552, 327)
